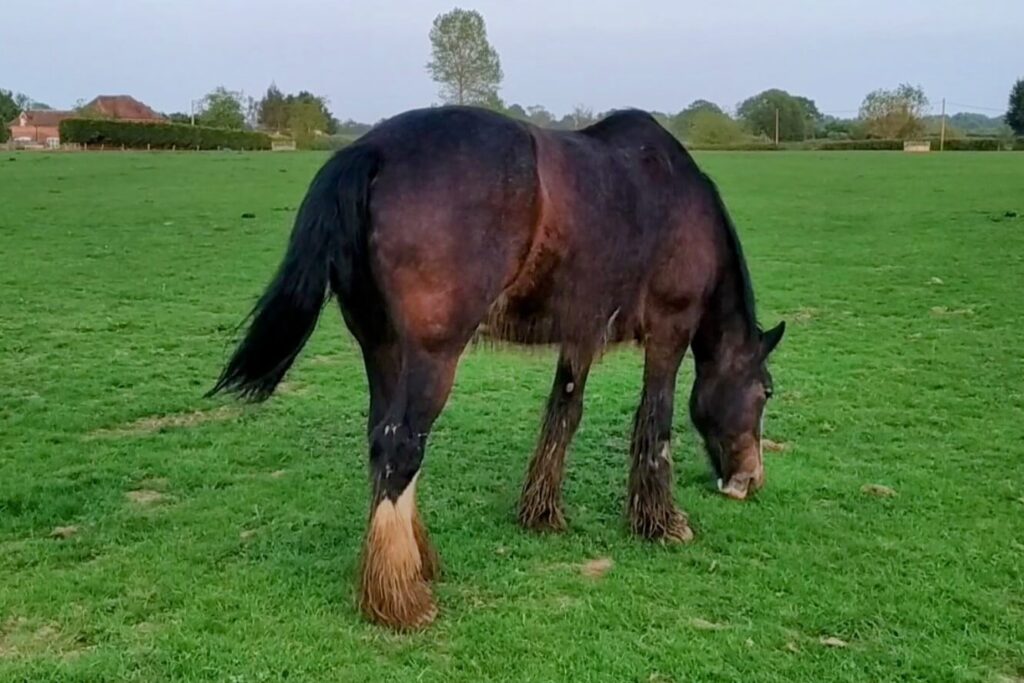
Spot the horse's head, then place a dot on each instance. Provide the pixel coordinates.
(727, 406)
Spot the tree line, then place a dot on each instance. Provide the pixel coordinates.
(467, 69)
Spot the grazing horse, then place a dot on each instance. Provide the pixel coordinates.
(443, 223)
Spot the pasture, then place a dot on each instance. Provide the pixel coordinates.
(149, 534)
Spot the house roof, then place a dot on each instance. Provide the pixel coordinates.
(122, 107)
(41, 117)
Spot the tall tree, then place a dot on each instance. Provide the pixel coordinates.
(710, 127)
(813, 118)
(223, 108)
(681, 124)
(330, 125)
(581, 116)
(516, 111)
(25, 102)
(273, 110)
(759, 114)
(894, 114)
(9, 110)
(540, 116)
(306, 118)
(462, 60)
(1015, 112)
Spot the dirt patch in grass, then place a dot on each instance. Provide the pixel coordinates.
(705, 625)
(879, 490)
(832, 641)
(145, 497)
(64, 532)
(156, 423)
(802, 315)
(597, 567)
(289, 388)
(774, 446)
(944, 311)
(21, 637)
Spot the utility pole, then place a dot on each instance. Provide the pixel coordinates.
(776, 126)
(942, 130)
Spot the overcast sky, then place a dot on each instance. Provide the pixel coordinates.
(368, 56)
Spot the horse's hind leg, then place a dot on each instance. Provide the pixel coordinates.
(383, 366)
(398, 560)
(540, 507)
(652, 510)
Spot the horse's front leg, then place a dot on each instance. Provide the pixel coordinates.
(652, 510)
(540, 506)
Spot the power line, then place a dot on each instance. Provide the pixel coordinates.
(974, 106)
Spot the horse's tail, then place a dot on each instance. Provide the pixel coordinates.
(327, 247)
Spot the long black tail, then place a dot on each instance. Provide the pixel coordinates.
(327, 245)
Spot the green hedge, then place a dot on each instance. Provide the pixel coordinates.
(971, 145)
(329, 143)
(807, 145)
(863, 145)
(736, 147)
(158, 135)
(1018, 145)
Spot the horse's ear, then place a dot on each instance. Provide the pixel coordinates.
(771, 338)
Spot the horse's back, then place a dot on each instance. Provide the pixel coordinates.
(452, 211)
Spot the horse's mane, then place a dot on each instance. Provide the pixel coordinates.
(732, 239)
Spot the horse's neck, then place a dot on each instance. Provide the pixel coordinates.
(724, 326)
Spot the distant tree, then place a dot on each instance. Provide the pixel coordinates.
(894, 114)
(306, 119)
(539, 116)
(710, 127)
(273, 110)
(681, 124)
(1015, 112)
(9, 110)
(581, 116)
(25, 102)
(252, 111)
(932, 127)
(179, 117)
(330, 125)
(494, 103)
(839, 129)
(759, 112)
(661, 117)
(517, 112)
(352, 128)
(462, 61)
(223, 108)
(9, 107)
(978, 124)
(813, 118)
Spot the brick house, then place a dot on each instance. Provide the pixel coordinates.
(38, 126)
(41, 126)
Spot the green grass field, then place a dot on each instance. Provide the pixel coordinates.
(148, 534)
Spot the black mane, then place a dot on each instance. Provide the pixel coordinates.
(746, 287)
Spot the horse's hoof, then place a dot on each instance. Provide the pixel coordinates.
(542, 518)
(671, 527)
(409, 609)
(740, 486)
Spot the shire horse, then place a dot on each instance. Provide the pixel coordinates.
(447, 223)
